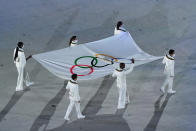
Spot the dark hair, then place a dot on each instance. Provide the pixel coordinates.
(74, 76)
(71, 39)
(120, 23)
(171, 51)
(19, 45)
(122, 65)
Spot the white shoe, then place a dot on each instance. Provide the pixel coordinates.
(19, 89)
(162, 90)
(121, 107)
(172, 92)
(67, 118)
(29, 83)
(81, 117)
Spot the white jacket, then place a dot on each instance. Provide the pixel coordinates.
(116, 32)
(21, 59)
(73, 88)
(169, 65)
(74, 43)
(121, 76)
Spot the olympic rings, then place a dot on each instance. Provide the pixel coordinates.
(94, 59)
(106, 56)
(94, 65)
(87, 66)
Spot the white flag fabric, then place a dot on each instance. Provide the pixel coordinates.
(94, 59)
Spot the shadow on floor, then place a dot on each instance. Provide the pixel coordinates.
(158, 111)
(12, 102)
(93, 122)
(43, 119)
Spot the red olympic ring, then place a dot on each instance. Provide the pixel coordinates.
(71, 69)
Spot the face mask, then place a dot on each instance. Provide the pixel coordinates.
(75, 41)
(174, 55)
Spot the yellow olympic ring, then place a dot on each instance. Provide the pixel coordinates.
(115, 59)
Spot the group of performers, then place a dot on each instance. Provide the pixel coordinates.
(73, 87)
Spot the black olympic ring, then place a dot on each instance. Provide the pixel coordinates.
(94, 64)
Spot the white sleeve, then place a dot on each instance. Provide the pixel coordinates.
(14, 53)
(77, 94)
(115, 31)
(164, 60)
(171, 66)
(114, 74)
(68, 86)
(130, 69)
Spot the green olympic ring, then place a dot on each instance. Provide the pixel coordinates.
(94, 58)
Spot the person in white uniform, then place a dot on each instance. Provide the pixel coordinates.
(122, 85)
(20, 61)
(73, 41)
(74, 97)
(168, 60)
(119, 29)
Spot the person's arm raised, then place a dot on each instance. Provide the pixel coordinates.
(131, 68)
(28, 57)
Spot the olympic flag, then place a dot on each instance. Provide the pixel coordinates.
(94, 59)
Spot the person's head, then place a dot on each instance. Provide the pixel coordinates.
(122, 65)
(74, 77)
(73, 38)
(119, 24)
(172, 52)
(20, 44)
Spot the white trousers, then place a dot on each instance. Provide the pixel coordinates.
(123, 97)
(70, 107)
(168, 82)
(23, 77)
